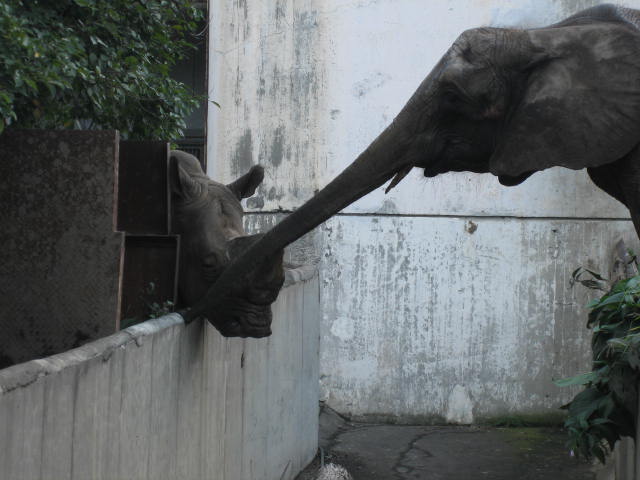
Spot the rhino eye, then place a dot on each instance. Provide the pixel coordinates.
(209, 263)
(213, 260)
(212, 267)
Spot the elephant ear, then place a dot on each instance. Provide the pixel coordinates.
(581, 105)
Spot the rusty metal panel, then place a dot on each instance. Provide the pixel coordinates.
(143, 197)
(60, 258)
(194, 142)
(149, 275)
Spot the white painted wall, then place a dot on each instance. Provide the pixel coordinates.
(422, 318)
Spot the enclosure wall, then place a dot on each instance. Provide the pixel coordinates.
(161, 401)
(447, 299)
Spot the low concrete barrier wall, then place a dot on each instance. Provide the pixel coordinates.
(626, 464)
(624, 461)
(163, 401)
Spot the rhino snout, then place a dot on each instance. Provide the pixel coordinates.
(243, 319)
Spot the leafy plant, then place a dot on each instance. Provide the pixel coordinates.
(95, 63)
(606, 409)
(153, 308)
(593, 280)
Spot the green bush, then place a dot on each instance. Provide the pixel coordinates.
(606, 409)
(102, 63)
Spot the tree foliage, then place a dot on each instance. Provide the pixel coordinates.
(103, 63)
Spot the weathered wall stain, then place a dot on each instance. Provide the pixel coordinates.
(243, 154)
(272, 78)
(388, 207)
(256, 202)
(569, 7)
(272, 194)
(277, 147)
(275, 88)
(280, 13)
(363, 87)
(471, 227)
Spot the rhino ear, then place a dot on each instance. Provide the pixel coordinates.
(247, 184)
(182, 183)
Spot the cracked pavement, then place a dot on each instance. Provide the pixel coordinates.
(396, 452)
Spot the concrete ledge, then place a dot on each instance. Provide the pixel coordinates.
(302, 273)
(26, 373)
(23, 374)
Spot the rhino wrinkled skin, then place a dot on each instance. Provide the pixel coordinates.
(208, 217)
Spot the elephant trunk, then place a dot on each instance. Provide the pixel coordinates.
(383, 159)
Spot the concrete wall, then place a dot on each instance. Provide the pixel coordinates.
(161, 401)
(447, 298)
(626, 465)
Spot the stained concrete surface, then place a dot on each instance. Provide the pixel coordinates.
(455, 285)
(395, 452)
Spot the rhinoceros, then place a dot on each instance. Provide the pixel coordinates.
(208, 217)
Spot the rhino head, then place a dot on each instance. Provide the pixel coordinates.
(208, 217)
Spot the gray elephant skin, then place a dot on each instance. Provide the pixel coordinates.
(508, 102)
(208, 217)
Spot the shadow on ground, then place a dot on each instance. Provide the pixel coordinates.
(396, 452)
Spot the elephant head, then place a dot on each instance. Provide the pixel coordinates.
(502, 101)
(208, 217)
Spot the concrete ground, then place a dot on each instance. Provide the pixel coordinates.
(395, 452)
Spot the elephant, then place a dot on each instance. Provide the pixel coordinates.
(510, 102)
(208, 217)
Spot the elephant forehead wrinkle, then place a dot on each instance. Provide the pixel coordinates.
(615, 45)
(455, 69)
(483, 42)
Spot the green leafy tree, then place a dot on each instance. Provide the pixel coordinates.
(96, 63)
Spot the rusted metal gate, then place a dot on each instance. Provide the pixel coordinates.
(144, 213)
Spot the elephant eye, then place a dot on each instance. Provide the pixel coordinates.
(467, 54)
(451, 98)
